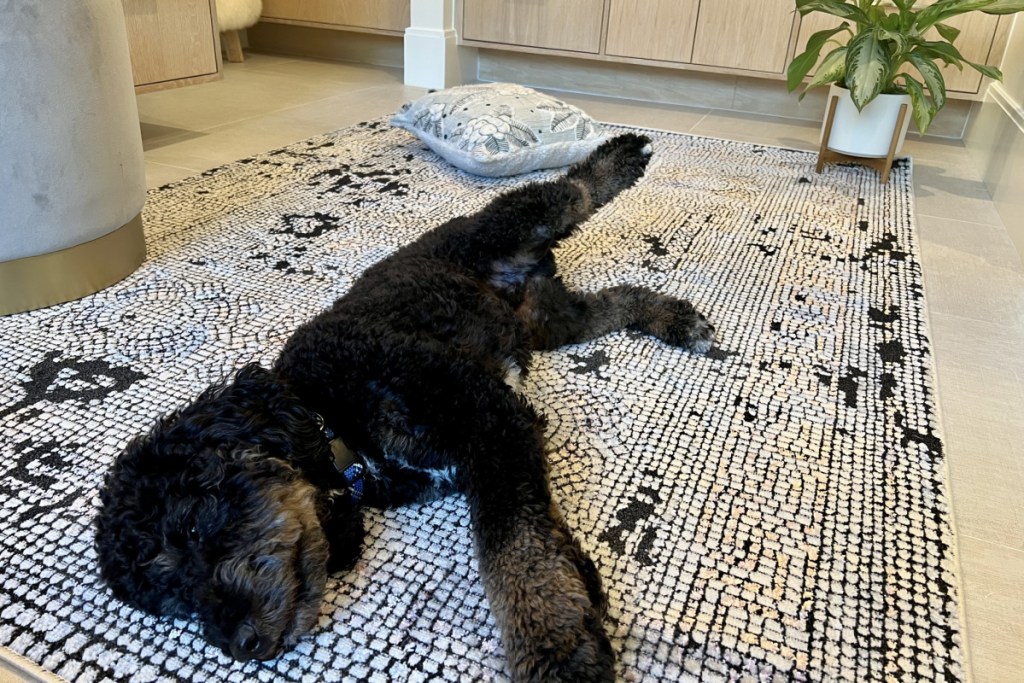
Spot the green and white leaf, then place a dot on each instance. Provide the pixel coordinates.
(950, 55)
(940, 50)
(946, 9)
(833, 7)
(805, 61)
(989, 71)
(832, 69)
(948, 32)
(1004, 7)
(867, 68)
(901, 40)
(932, 78)
(923, 109)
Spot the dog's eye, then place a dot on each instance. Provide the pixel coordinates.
(193, 532)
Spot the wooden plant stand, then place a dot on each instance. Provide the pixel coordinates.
(880, 164)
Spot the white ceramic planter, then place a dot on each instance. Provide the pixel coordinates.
(866, 133)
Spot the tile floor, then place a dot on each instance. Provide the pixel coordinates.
(973, 275)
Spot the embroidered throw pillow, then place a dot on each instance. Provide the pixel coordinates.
(500, 129)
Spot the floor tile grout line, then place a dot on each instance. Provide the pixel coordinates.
(1016, 328)
(699, 121)
(959, 220)
(175, 166)
(997, 544)
(923, 214)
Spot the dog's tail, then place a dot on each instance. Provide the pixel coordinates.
(518, 229)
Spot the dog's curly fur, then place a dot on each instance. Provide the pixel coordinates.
(230, 509)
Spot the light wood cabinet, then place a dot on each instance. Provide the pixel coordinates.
(172, 43)
(742, 37)
(744, 34)
(976, 42)
(572, 25)
(384, 16)
(652, 29)
(752, 35)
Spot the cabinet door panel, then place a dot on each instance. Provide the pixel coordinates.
(556, 24)
(170, 40)
(744, 34)
(388, 15)
(319, 11)
(652, 29)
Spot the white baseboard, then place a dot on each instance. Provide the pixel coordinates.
(1013, 109)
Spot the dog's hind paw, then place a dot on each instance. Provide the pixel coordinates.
(589, 657)
(614, 166)
(678, 323)
(547, 599)
(591, 661)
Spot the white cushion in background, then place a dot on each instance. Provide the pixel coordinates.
(500, 129)
(233, 15)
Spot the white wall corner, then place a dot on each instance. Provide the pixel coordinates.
(1013, 109)
(995, 141)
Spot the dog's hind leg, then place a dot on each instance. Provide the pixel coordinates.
(611, 168)
(555, 315)
(506, 239)
(543, 589)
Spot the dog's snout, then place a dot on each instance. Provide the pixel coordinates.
(247, 644)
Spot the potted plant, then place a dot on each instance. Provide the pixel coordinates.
(892, 50)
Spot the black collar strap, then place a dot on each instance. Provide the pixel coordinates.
(345, 460)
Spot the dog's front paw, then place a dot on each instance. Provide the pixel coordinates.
(614, 166)
(678, 323)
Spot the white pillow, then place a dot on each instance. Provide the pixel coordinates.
(500, 129)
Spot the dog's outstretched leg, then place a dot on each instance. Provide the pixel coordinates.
(613, 167)
(544, 590)
(556, 316)
(515, 232)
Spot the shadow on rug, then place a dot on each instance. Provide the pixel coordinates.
(773, 511)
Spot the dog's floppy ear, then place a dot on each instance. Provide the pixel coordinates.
(128, 532)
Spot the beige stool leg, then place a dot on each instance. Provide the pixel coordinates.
(233, 44)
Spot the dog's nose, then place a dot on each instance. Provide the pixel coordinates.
(246, 643)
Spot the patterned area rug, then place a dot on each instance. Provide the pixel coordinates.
(773, 511)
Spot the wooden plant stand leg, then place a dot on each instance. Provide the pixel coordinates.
(882, 165)
(233, 46)
(825, 155)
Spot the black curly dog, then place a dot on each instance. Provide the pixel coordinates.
(235, 508)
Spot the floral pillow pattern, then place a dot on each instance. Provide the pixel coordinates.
(500, 129)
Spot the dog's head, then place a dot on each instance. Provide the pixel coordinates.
(209, 515)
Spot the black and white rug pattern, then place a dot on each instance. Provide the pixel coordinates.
(775, 510)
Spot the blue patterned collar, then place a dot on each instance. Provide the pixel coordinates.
(345, 460)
